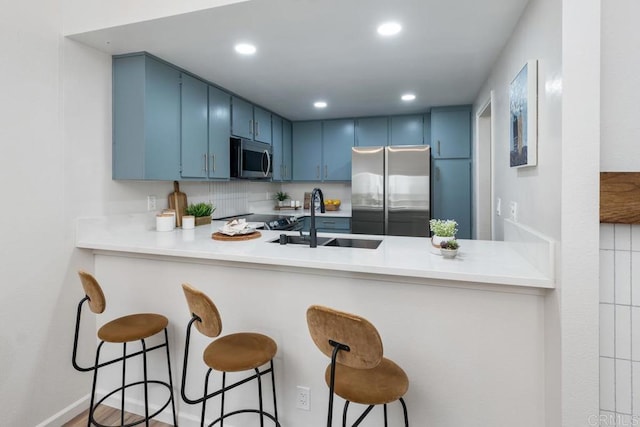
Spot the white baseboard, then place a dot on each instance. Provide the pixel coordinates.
(67, 414)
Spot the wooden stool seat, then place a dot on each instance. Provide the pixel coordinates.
(240, 352)
(385, 383)
(133, 327)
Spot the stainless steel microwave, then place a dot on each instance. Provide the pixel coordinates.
(250, 159)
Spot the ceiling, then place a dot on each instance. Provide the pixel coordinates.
(329, 49)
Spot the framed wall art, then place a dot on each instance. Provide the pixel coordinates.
(523, 117)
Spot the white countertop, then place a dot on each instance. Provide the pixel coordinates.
(477, 261)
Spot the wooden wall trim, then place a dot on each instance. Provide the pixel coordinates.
(620, 197)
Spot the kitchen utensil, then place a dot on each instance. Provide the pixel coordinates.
(178, 201)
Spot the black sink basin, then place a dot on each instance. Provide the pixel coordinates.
(340, 242)
(302, 240)
(354, 243)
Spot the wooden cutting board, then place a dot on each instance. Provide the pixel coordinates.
(178, 201)
(224, 237)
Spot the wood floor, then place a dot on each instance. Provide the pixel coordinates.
(109, 416)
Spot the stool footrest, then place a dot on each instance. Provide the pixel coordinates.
(245, 411)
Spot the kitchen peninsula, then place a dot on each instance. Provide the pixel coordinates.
(468, 331)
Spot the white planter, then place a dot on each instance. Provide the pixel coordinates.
(436, 240)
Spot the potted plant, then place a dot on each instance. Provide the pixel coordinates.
(201, 211)
(442, 230)
(281, 196)
(449, 248)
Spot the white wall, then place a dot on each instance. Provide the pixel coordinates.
(619, 262)
(536, 190)
(559, 196)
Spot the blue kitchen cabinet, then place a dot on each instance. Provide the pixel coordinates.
(287, 154)
(451, 132)
(407, 130)
(241, 118)
(276, 134)
(249, 121)
(372, 132)
(262, 125)
(451, 193)
(328, 224)
(194, 128)
(219, 127)
(146, 119)
(338, 137)
(307, 150)
(427, 129)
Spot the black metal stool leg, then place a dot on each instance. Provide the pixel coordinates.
(344, 413)
(93, 387)
(260, 397)
(273, 387)
(124, 372)
(385, 416)
(406, 416)
(224, 383)
(146, 383)
(173, 404)
(204, 401)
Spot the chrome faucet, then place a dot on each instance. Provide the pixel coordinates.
(313, 234)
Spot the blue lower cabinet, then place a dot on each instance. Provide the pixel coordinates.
(451, 193)
(327, 224)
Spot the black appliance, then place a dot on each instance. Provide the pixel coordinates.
(271, 222)
(250, 159)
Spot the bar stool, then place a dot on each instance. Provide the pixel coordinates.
(123, 330)
(231, 353)
(358, 372)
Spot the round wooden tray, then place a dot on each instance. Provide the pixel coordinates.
(239, 237)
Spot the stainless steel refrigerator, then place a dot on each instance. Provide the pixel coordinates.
(390, 190)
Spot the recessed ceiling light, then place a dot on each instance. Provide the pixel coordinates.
(320, 104)
(389, 29)
(245, 49)
(408, 97)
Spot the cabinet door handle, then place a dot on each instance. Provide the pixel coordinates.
(329, 222)
(438, 174)
(318, 171)
(257, 128)
(251, 126)
(204, 168)
(325, 171)
(213, 163)
(438, 147)
(285, 171)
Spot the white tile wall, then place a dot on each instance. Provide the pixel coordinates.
(619, 325)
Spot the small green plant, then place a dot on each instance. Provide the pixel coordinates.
(443, 227)
(200, 209)
(450, 244)
(281, 196)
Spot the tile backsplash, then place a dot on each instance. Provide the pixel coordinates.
(620, 323)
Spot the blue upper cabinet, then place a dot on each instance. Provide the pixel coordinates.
(372, 132)
(241, 118)
(407, 130)
(307, 150)
(250, 122)
(287, 147)
(146, 119)
(276, 134)
(451, 132)
(261, 125)
(194, 130)
(338, 136)
(219, 127)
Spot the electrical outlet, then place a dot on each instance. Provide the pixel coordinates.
(513, 207)
(151, 202)
(499, 207)
(303, 398)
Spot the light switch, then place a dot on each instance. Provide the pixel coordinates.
(513, 207)
(499, 206)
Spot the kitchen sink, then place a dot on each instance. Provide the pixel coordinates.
(303, 240)
(354, 243)
(340, 242)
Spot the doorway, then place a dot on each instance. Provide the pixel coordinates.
(483, 191)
